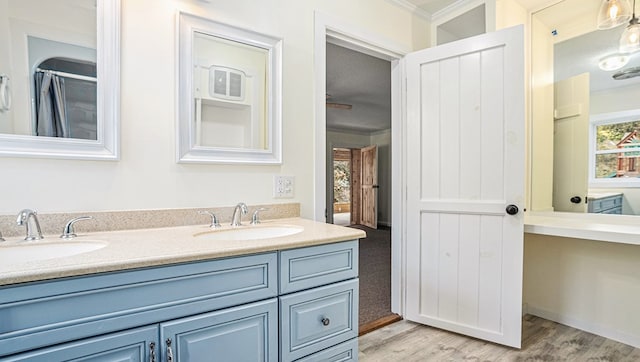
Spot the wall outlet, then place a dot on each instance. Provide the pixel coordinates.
(283, 187)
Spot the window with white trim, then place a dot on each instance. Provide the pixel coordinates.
(614, 142)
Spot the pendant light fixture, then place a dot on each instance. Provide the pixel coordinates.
(630, 39)
(613, 13)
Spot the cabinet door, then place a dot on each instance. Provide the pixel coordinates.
(133, 345)
(245, 333)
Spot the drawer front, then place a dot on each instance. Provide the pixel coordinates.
(317, 265)
(38, 314)
(344, 352)
(319, 318)
(601, 205)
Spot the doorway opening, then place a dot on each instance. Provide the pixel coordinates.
(358, 180)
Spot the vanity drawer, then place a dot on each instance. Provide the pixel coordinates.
(317, 265)
(316, 319)
(344, 352)
(45, 313)
(602, 205)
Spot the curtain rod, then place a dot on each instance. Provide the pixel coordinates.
(68, 75)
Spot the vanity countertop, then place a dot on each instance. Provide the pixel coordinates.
(130, 249)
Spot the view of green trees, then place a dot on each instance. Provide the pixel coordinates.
(341, 181)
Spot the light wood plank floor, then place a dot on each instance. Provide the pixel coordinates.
(542, 340)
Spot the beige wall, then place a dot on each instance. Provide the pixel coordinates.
(147, 176)
(591, 285)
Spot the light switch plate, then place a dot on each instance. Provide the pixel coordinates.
(283, 187)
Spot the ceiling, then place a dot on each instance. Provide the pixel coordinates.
(362, 81)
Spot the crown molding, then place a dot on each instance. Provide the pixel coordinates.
(412, 8)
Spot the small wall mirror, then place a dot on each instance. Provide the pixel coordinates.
(229, 94)
(59, 78)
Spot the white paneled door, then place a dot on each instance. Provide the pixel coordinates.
(571, 144)
(465, 186)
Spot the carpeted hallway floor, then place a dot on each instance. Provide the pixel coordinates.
(375, 274)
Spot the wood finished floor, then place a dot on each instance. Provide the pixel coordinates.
(542, 340)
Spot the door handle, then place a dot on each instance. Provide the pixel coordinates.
(376, 186)
(576, 199)
(512, 209)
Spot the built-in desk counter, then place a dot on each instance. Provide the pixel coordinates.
(612, 228)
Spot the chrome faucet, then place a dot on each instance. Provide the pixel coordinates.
(240, 209)
(255, 219)
(28, 218)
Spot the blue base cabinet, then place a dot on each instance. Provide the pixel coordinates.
(298, 304)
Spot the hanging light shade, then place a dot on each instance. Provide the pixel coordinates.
(630, 39)
(613, 62)
(613, 13)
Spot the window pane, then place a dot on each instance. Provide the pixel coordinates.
(617, 135)
(341, 181)
(606, 165)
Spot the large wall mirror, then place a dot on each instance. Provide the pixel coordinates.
(229, 94)
(586, 112)
(59, 78)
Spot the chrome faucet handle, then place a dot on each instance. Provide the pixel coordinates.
(214, 219)
(255, 218)
(24, 219)
(68, 232)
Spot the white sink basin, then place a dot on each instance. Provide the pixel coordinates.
(250, 232)
(35, 251)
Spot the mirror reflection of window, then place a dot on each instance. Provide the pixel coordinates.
(230, 80)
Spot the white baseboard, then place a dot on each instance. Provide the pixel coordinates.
(632, 340)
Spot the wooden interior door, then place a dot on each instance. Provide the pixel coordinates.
(369, 186)
(571, 144)
(465, 186)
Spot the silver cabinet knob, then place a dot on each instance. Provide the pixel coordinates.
(325, 321)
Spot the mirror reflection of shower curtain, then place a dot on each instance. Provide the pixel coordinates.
(51, 119)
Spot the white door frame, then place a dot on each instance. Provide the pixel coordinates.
(350, 36)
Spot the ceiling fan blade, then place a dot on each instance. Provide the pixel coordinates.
(339, 105)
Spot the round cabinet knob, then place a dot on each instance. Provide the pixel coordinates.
(325, 321)
(512, 209)
(576, 199)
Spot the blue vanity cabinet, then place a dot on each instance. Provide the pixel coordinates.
(289, 305)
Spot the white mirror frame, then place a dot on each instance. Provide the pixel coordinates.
(187, 150)
(107, 146)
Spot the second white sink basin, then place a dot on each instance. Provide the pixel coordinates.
(36, 251)
(250, 232)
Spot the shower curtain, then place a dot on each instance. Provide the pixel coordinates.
(51, 112)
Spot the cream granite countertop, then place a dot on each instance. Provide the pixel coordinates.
(129, 249)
